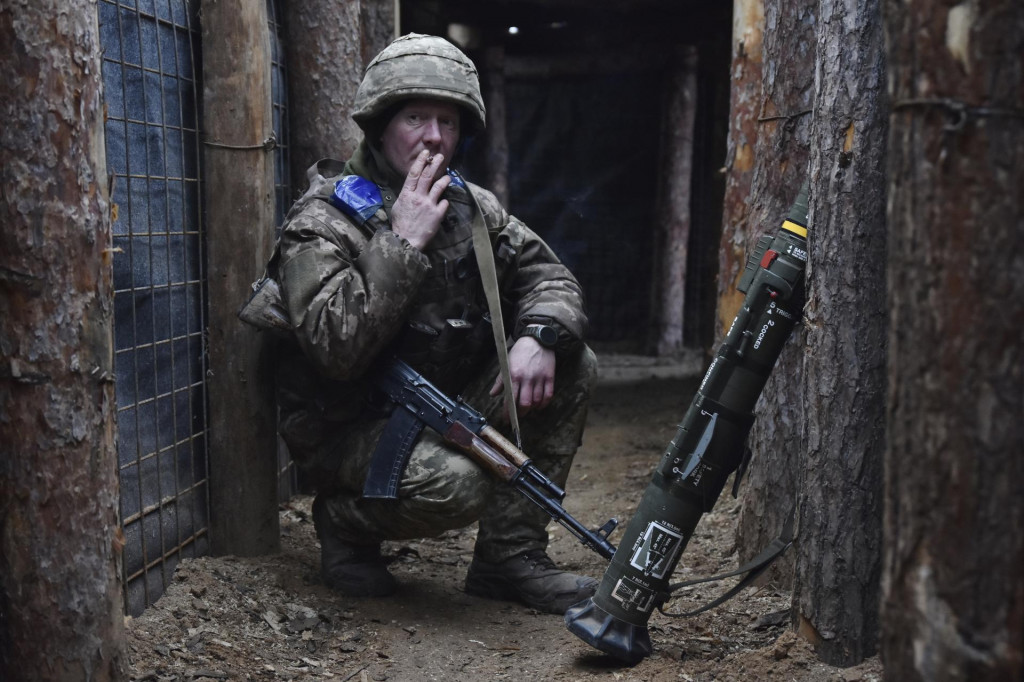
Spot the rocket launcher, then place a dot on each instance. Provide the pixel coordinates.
(708, 447)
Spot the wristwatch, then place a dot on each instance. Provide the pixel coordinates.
(545, 335)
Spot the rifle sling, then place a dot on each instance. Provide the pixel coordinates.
(489, 276)
(392, 454)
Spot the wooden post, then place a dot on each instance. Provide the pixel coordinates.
(838, 554)
(673, 224)
(952, 585)
(745, 95)
(61, 612)
(239, 196)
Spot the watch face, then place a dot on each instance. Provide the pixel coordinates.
(544, 334)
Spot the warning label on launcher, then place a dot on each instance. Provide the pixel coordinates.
(657, 551)
(633, 597)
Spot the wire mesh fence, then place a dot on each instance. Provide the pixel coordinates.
(150, 68)
(152, 88)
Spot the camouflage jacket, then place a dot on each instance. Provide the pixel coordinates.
(356, 290)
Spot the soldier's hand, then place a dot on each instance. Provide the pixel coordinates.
(419, 208)
(532, 369)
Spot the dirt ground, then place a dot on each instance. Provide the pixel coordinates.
(271, 618)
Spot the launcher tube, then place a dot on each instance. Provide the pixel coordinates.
(706, 449)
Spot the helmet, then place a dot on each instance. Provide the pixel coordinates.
(418, 65)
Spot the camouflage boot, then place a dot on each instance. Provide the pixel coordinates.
(530, 578)
(354, 570)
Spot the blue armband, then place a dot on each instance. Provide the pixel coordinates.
(356, 197)
(457, 180)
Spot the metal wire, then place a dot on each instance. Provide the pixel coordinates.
(151, 89)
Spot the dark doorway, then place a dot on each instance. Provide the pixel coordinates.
(586, 184)
(584, 90)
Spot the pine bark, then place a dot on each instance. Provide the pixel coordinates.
(745, 107)
(838, 557)
(780, 158)
(60, 602)
(953, 589)
(329, 44)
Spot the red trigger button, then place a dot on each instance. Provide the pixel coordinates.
(768, 257)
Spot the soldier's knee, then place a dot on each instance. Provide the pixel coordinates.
(453, 496)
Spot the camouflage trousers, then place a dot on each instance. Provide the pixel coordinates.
(443, 489)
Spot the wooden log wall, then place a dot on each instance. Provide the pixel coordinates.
(780, 158)
(745, 84)
(952, 585)
(838, 555)
(497, 139)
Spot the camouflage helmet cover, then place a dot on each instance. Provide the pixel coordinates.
(414, 66)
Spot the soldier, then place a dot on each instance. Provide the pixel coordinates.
(384, 263)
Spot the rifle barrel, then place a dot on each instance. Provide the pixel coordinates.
(591, 539)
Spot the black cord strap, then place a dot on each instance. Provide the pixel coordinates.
(959, 112)
(753, 569)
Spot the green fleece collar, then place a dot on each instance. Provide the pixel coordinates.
(369, 162)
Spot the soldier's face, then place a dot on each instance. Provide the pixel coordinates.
(421, 124)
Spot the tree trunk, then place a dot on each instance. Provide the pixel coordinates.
(378, 27)
(61, 613)
(781, 153)
(838, 558)
(745, 107)
(330, 43)
(953, 588)
(673, 212)
(239, 191)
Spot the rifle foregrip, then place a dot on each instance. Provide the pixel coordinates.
(503, 445)
(481, 451)
(525, 466)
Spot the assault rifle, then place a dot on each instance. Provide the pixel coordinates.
(418, 403)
